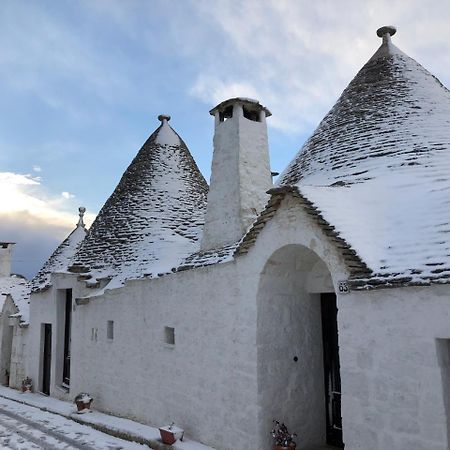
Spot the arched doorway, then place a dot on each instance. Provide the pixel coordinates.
(298, 359)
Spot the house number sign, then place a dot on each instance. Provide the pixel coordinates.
(343, 287)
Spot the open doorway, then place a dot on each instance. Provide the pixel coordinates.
(331, 369)
(46, 357)
(67, 337)
(7, 340)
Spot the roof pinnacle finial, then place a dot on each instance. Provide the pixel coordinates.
(81, 211)
(386, 32)
(163, 118)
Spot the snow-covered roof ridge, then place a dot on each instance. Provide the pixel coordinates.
(61, 257)
(377, 169)
(154, 218)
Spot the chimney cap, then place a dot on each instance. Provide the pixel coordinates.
(4, 244)
(253, 104)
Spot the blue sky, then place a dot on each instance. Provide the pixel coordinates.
(82, 84)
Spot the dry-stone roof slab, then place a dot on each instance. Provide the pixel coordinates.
(378, 170)
(154, 218)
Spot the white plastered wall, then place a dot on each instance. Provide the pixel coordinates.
(390, 368)
(206, 382)
(12, 344)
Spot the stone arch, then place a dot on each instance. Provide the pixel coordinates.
(289, 344)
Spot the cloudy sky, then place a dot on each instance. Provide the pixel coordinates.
(82, 84)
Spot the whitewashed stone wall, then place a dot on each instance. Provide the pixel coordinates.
(12, 344)
(206, 382)
(392, 376)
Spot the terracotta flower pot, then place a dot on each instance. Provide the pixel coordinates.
(169, 435)
(81, 405)
(282, 447)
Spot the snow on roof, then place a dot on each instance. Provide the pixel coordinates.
(154, 218)
(61, 257)
(377, 167)
(19, 290)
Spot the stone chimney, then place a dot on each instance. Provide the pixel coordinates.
(5, 258)
(240, 174)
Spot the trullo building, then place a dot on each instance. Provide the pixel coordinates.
(321, 301)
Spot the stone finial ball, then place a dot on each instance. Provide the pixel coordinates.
(387, 29)
(82, 209)
(162, 117)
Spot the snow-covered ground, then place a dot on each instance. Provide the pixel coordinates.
(26, 419)
(26, 427)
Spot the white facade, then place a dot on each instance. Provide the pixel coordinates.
(12, 346)
(395, 347)
(238, 327)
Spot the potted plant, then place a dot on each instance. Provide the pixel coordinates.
(27, 385)
(170, 433)
(83, 401)
(283, 439)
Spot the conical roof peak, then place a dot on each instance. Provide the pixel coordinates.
(165, 135)
(155, 215)
(387, 48)
(391, 109)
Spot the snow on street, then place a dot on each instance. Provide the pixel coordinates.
(24, 427)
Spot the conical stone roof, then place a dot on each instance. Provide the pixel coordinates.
(61, 257)
(154, 217)
(378, 169)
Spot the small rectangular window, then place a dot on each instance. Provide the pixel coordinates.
(110, 329)
(169, 335)
(94, 334)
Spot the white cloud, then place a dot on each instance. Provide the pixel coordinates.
(25, 193)
(299, 56)
(37, 169)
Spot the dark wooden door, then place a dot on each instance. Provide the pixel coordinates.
(67, 336)
(47, 358)
(332, 376)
